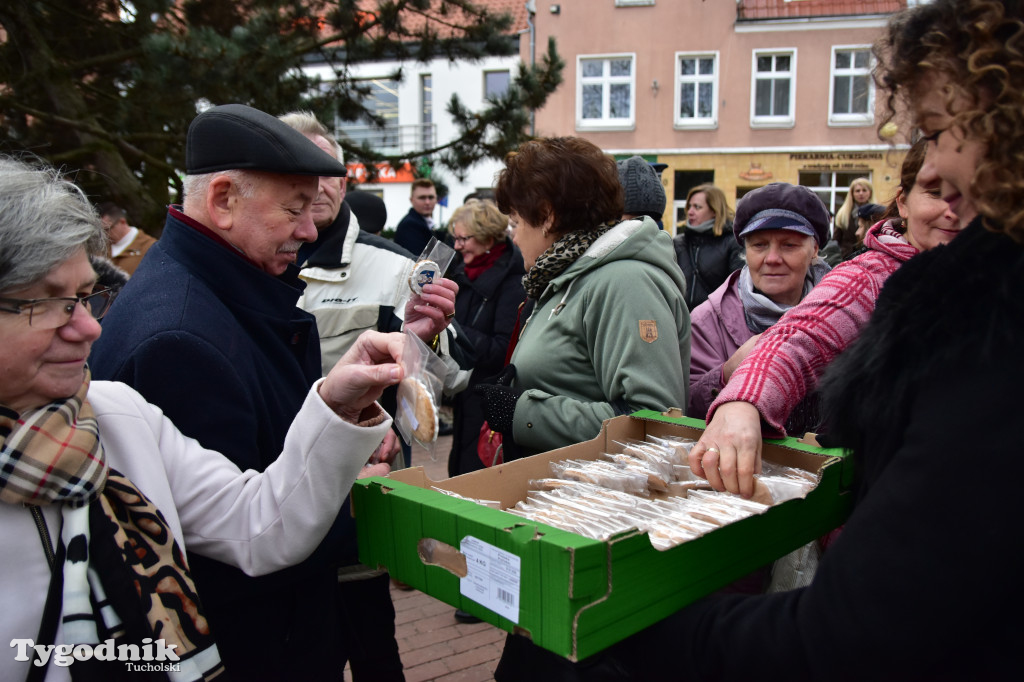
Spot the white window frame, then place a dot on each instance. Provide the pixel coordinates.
(696, 122)
(633, 3)
(487, 72)
(606, 80)
(789, 120)
(858, 119)
(834, 190)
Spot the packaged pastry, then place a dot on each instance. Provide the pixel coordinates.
(419, 394)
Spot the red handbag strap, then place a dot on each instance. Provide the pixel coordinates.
(515, 334)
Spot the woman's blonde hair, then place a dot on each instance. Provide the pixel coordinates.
(482, 219)
(715, 199)
(977, 48)
(845, 212)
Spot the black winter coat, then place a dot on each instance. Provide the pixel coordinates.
(486, 312)
(706, 260)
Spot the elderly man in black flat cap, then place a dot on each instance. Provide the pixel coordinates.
(208, 330)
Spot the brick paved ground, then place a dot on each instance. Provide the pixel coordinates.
(433, 645)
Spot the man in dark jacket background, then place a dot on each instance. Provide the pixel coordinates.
(417, 227)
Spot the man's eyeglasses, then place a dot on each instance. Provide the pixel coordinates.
(462, 240)
(50, 313)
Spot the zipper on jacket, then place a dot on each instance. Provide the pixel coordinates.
(696, 273)
(44, 534)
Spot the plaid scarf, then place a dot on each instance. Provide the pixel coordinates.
(558, 257)
(124, 575)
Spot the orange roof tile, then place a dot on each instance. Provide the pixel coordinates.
(414, 20)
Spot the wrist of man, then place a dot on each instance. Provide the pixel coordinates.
(371, 415)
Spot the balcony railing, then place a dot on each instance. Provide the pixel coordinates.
(392, 140)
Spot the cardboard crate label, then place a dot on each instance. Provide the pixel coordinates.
(492, 577)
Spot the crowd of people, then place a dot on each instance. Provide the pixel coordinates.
(184, 475)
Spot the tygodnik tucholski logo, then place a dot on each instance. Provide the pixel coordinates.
(151, 656)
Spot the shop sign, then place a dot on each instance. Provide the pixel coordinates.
(385, 173)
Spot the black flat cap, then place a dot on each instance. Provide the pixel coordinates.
(234, 136)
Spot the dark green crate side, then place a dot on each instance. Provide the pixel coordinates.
(371, 512)
(440, 521)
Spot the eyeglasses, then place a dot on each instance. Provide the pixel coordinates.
(50, 313)
(462, 240)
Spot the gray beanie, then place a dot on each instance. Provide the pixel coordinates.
(644, 193)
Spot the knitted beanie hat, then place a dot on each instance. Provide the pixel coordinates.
(644, 193)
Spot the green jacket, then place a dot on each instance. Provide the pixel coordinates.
(609, 336)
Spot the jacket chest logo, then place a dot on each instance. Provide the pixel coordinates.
(649, 330)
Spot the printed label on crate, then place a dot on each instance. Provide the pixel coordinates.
(492, 577)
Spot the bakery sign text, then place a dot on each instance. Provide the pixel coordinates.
(831, 161)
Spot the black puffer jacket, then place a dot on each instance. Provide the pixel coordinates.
(486, 311)
(706, 260)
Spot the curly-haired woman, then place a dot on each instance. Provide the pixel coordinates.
(925, 581)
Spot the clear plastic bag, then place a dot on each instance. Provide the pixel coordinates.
(433, 262)
(419, 394)
(604, 474)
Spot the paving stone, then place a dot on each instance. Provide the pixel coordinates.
(433, 645)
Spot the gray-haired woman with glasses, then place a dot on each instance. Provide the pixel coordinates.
(99, 492)
(50, 313)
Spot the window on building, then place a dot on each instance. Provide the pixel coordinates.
(772, 102)
(831, 187)
(382, 101)
(696, 89)
(605, 88)
(684, 181)
(852, 92)
(496, 83)
(632, 3)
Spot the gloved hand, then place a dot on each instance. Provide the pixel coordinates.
(500, 400)
(499, 405)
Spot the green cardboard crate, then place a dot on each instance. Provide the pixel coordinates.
(570, 594)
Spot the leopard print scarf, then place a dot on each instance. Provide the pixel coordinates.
(124, 576)
(558, 257)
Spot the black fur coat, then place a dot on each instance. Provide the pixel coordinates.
(952, 310)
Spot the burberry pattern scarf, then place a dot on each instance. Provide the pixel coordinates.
(124, 575)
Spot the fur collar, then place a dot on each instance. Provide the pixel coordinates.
(950, 306)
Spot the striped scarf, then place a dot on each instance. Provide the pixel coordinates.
(124, 575)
